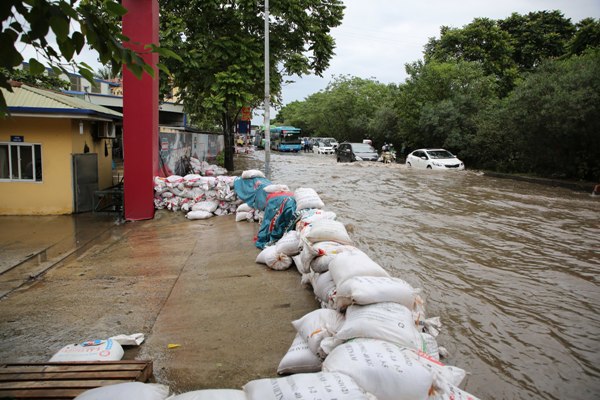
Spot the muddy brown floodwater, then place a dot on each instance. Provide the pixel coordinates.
(510, 267)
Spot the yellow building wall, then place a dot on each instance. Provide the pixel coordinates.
(105, 178)
(60, 139)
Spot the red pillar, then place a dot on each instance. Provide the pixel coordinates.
(140, 113)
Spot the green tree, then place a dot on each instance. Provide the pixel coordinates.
(586, 36)
(439, 103)
(482, 41)
(222, 44)
(537, 36)
(549, 125)
(27, 22)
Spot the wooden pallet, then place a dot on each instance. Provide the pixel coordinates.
(66, 380)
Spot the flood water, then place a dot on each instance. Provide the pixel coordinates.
(510, 267)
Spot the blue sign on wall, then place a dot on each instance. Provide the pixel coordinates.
(19, 139)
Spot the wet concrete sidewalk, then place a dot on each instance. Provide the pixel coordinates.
(190, 283)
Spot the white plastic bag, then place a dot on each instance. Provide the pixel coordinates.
(321, 386)
(135, 339)
(126, 391)
(299, 359)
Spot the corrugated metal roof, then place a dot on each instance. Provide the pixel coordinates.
(36, 100)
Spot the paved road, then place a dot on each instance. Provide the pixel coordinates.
(192, 283)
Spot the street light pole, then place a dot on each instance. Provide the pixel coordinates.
(267, 97)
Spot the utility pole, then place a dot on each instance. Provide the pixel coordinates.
(267, 97)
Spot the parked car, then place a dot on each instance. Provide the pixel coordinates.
(331, 141)
(323, 148)
(434, 159)
(350, 152)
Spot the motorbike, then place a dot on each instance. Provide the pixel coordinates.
(388, 157)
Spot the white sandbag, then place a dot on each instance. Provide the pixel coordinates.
(375, 289)
(261, 258)
(449, 373)
(209, 206)
(212, 394)
(241, 216)
(326, 251)
(454, 393)
(430, 346)
(243, 208)
(311, 215)
(252, 173)
(307, 198)
(221, 211)
(275, 188)
(316, 325)
(384, 321)
(192, 179)
(91, 350)
(174, 179)
(299, 358)
(324, 230)
(289, 244)
(277, 261)
(298, 263)
(127, 391)
(192, 215)
(349, 264)
(382, 369)
(321, 386)
(324, 288)
(208, 182)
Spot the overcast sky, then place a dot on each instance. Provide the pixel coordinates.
(378, 37)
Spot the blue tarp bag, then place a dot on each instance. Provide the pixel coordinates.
(280, 213)
(251, 192)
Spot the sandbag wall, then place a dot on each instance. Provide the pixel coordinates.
(205, 193)
(372, 331)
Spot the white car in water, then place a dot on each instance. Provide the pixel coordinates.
(434, 159)
(323, 148)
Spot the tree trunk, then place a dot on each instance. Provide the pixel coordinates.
(228, 141)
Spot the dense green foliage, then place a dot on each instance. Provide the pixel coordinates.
(517, 95)
(222, 46)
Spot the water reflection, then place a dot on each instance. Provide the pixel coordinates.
(510, 267)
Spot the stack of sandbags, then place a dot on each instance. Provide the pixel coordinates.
(206, 169)
(199, 196)
(371, 327)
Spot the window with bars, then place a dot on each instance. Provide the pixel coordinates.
(20, 162)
